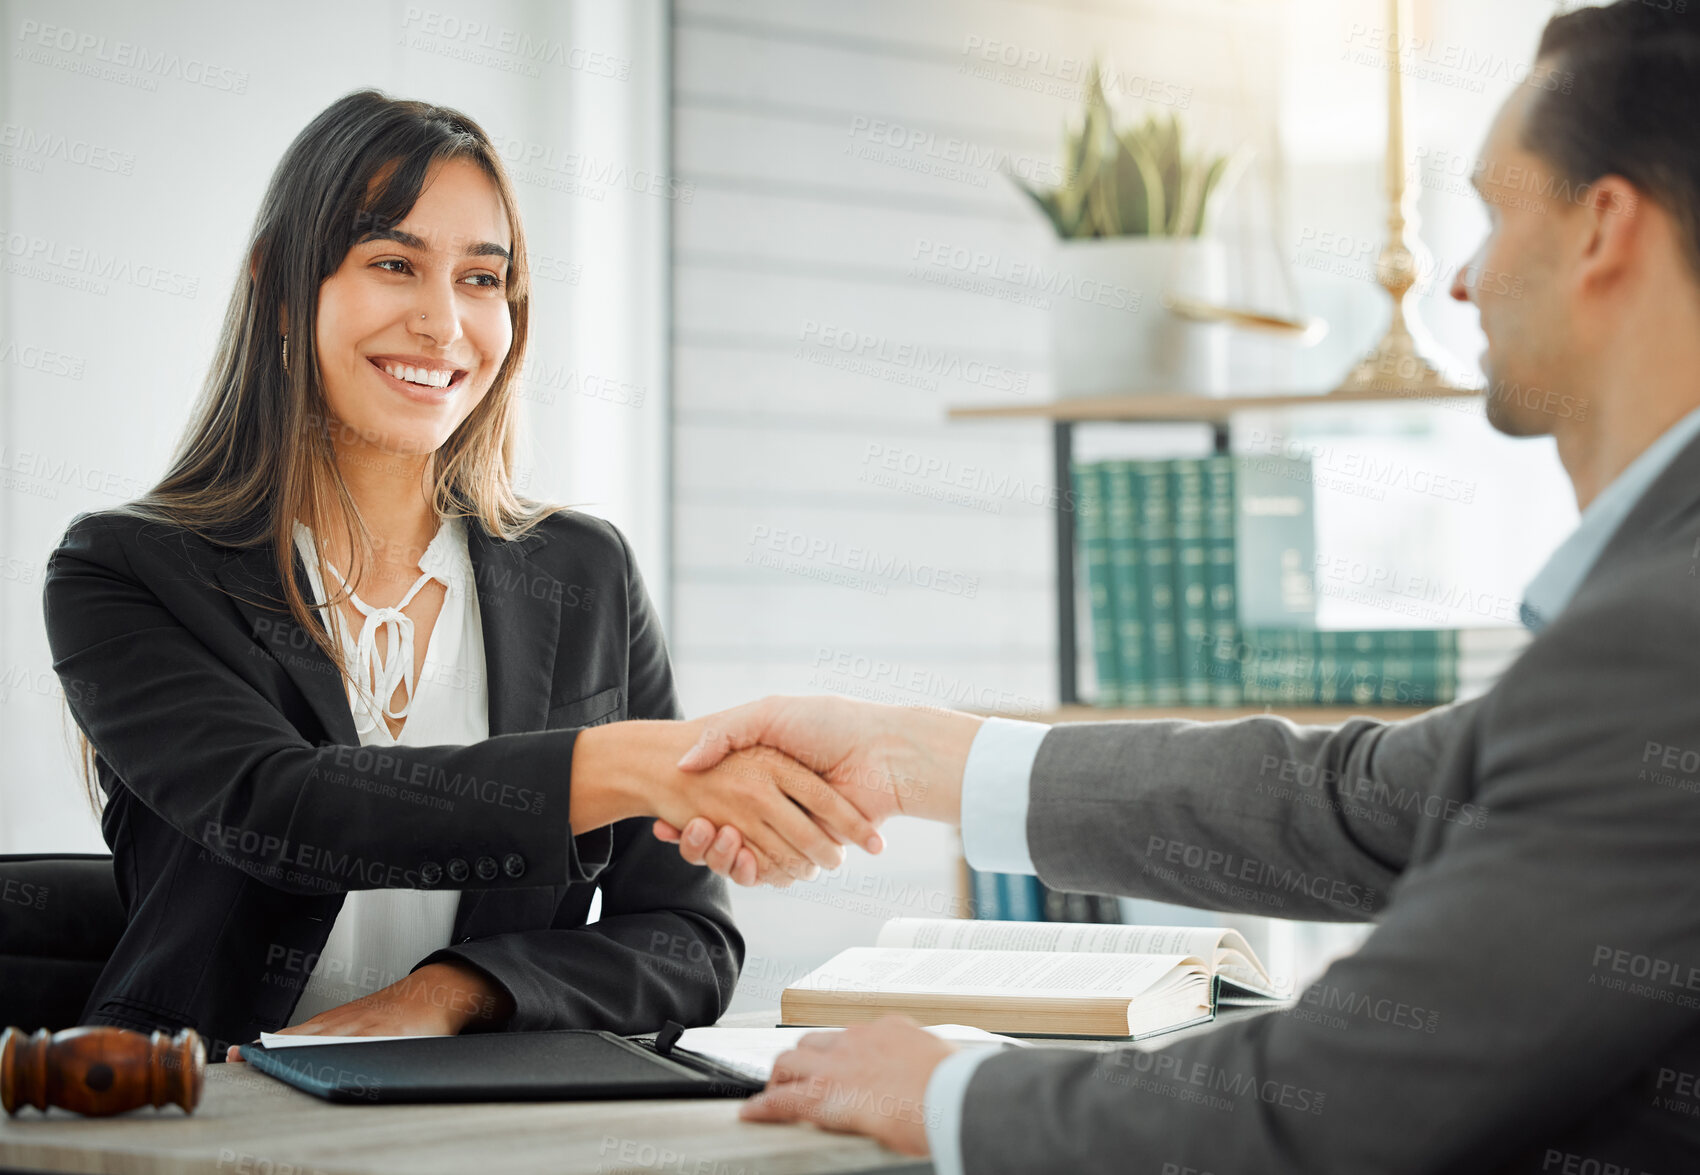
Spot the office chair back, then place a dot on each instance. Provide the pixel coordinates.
(60, 918)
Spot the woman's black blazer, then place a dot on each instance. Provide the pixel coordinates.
(242, 807)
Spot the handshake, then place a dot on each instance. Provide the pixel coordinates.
(771, 792)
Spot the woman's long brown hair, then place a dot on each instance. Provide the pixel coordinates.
(258, 451)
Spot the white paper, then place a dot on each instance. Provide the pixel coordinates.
(290, 1040)
(752, 1051)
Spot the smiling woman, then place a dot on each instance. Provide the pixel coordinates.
(384, 809)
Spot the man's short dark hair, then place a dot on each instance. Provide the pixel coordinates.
(1630, 105)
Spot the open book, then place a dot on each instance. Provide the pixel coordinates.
(1035, 978)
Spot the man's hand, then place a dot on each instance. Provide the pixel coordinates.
(868, 1079)
(887, 760)
(793, 823)
(438, 999)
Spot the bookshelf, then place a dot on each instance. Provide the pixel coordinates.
(1179, 408)
(1305, 715)
(1187, 408)
(1218, 412)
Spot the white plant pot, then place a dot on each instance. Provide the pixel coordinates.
(1110, 332)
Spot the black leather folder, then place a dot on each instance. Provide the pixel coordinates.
(567, 1065)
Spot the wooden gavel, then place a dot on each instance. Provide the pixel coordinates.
(100, 1070)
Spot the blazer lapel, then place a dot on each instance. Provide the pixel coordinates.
(519, 608)
(250, 575)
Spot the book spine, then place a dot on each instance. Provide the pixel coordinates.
(1274, 518)
(1224, 609)
(1295, 667)
(1022, 900)
(1332, 674)
(987, 903)
(1094, 540)
(1156, 546)
(1192, 578)
(1127, 578)
(1393, 667)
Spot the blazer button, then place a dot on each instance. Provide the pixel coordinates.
(513, 865)
(430, 873)
(487, 869)
(458, 871)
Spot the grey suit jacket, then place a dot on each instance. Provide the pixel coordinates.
(1530, 997)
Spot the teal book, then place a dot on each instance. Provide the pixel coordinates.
(1192, 578)
(1092, 537)
(1298, 668)
(1386, 667)
(1333, 669)
(1275, 525)
(1159, 609)
(1224, 609)
(1127, 578)
(987, 903)
(1023, 897)
(1280, 667)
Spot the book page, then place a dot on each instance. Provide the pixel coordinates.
(1225, 948)
(993, 973)
(752, 1051)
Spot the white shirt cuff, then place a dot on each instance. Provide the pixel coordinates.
(995, 785)
(941, 1106)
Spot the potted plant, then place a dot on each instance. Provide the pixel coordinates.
(1129, 218)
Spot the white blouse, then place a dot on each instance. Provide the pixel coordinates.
(379, 934)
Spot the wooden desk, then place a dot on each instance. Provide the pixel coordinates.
(249, 1124)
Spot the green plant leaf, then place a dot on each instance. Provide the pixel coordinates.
(1049, 205)
(1132, 181)
(1133, 198)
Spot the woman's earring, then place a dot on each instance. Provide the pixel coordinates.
(286, 354)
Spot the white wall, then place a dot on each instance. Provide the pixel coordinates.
(789, 213)
(582, 126)
(806, 219)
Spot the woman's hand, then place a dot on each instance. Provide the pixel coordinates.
(887, 760)
(438, 999)
(790, 821)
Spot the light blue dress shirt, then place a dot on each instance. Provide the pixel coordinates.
(997, 775)
(994, 839)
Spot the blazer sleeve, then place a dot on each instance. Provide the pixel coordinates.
(1257, 815)
(202, 748)
(1528, 971)
(665, 946)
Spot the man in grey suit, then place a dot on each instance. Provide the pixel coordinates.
(1530, 997)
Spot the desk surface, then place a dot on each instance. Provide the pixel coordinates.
(249, 1124)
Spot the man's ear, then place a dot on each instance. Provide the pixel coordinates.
(1614, 215)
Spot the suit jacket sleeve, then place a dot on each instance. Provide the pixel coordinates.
(665, 946)
(1256, 816)
(1495, 1003)
(197, 743)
